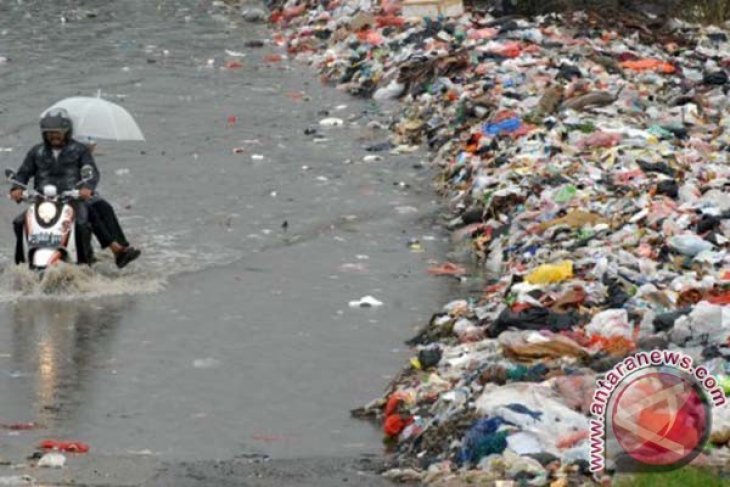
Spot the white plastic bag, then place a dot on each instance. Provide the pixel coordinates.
(611, 323)
(689, 244)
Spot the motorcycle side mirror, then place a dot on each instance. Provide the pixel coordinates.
(87, 173)
(9, 174)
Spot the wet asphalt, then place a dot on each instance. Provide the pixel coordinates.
(230, 342)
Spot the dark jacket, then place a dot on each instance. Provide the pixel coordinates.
(64, 173)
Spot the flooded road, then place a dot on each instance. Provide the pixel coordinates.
(232, 335)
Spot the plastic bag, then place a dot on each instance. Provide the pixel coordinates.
(483, 438)
(535, 345)
(65, 446)
(689, 244)
(551, 273)
(504, 127)
(565, 194)
(649, 65)
(555, 418)
(52, 460)
(709, 323)
(599, 139)
(611, 323)
(389, 92)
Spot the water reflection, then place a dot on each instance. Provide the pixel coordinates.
(55, 348)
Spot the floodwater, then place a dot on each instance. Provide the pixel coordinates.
(232, 334)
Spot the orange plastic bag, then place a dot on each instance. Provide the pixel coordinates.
(394, 402)
(649, 65)
(395, 424)
(447, 269)
(370, 37)
(616, 346)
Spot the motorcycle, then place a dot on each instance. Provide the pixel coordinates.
(50, 236)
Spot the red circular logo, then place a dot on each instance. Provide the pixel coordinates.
(660, 419)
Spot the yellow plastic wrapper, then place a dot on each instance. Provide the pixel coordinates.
(551, 273)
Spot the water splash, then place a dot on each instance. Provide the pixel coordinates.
(163, 257)
(74, 282)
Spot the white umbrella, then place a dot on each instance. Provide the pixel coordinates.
(97, 118)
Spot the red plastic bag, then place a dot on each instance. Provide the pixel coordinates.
(276, 16)
(390, 21)
(233, 65)
(509, 49)
(718, 297)
(65, 446)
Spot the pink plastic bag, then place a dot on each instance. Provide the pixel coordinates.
(390, 7)
(599, 139)
(479, 34)
(625, 178)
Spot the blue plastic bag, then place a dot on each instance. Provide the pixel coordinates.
(504, 127)
(483, 439)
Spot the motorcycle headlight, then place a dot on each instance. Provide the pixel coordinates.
(47, 211)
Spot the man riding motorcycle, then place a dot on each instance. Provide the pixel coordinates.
(58, 161)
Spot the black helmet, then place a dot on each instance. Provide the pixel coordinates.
(57, 119)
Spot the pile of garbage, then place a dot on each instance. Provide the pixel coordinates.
(585, 159)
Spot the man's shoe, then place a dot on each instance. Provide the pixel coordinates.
(128, 255)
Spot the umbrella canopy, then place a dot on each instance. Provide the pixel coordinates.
(99, 119)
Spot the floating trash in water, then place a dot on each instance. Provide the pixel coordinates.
(332, 122)
(365, 302)
(65, 446)
(52, 460)
(235, 53)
